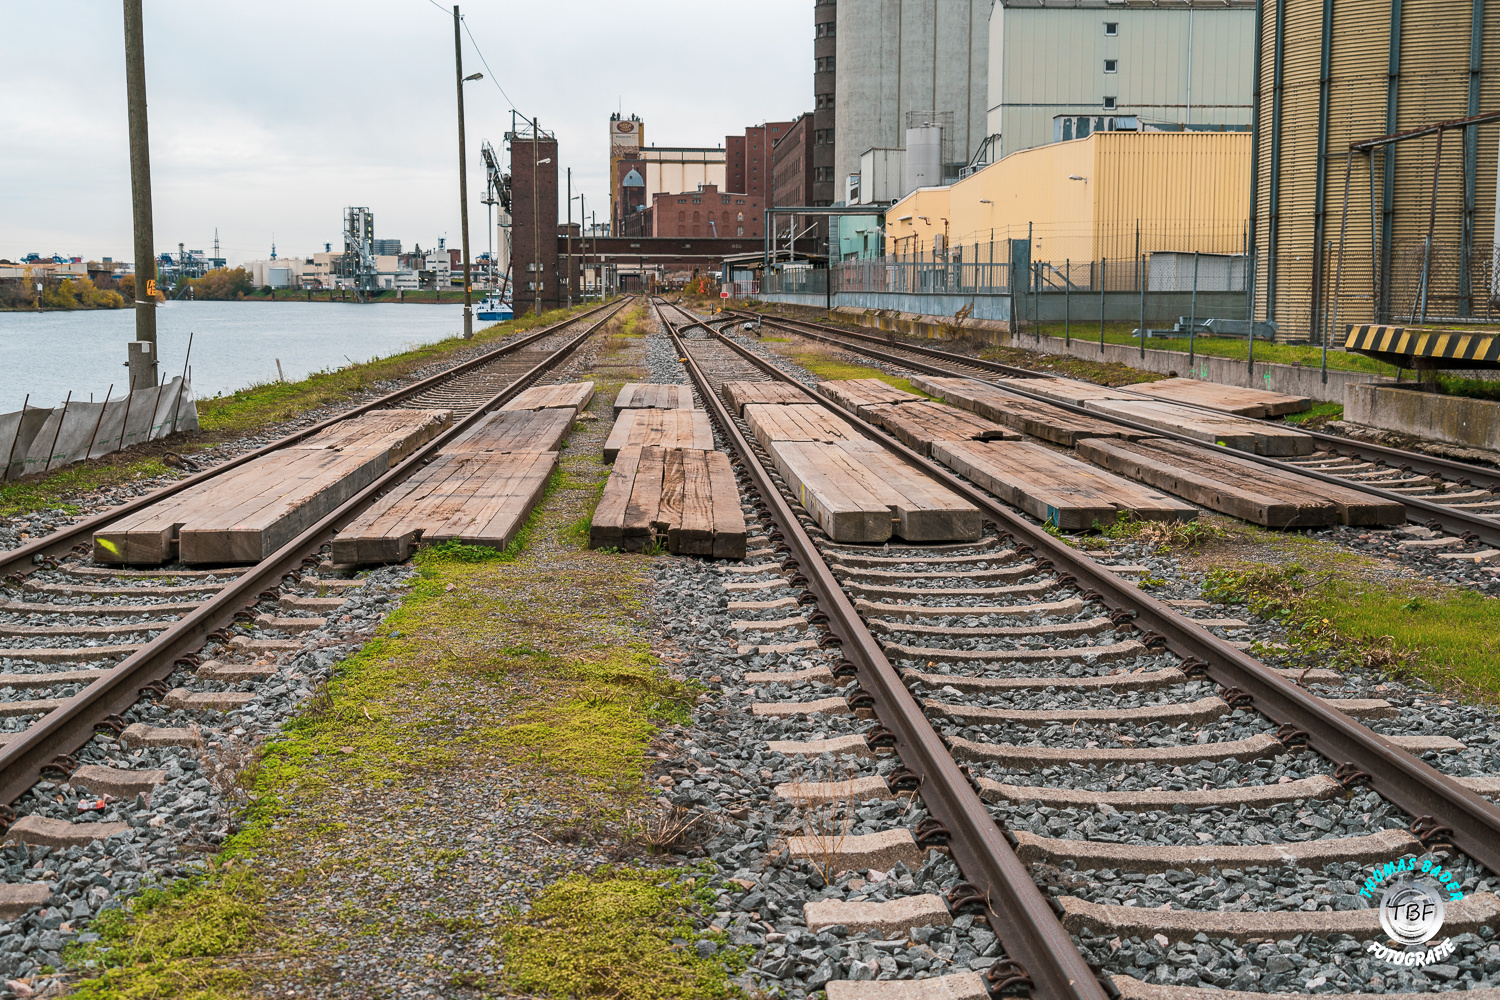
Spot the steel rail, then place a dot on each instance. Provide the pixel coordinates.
(1443, 809)
(1018, 913)
(56, 735)
(1419, 510)
(64, 540)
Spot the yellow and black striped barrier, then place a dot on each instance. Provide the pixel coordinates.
(1426, 348)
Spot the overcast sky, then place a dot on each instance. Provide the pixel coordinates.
(268, 118)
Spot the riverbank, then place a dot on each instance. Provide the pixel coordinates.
(248, 418)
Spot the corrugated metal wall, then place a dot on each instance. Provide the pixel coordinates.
(1300, 287)
(1186, 191)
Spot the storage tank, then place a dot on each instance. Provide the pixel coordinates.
(924, 157)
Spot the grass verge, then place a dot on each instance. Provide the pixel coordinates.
(1445, 635)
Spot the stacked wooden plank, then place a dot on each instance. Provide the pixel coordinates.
(1043, 420)
(921, 425)
(651, 396)
(669, 429)
(1257, 403)
(784, 422)
(249, 512)
(1056, 487)
(574, 395)
(1071, 390)
(475, 497)
(741, 394)
(1234, 432)
(859, 492)
(1239, 486)
(515, 430)
(857, 393)
(686, 498)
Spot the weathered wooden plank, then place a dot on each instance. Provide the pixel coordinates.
(693, 534)
(546, 397)
(652, 395)
(1238, 486)
(1233, 432)
(925, 510)
(741, 394)
(1056, 487)
(918, 425)
(643, 511)
(843, 508)
(1029, 416)
(729, 526)
(1226, 398)
(1071, 390)
(857, 393)
(515, 430)
(784, 422)
(607, 528)
(478, 498)
(398, 432)
(662, 428)
(669, 510)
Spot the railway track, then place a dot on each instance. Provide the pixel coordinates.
(1137, 806)
(90, 651)
(1457, 498)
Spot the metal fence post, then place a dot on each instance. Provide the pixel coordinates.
(5, 473)
(1067, 313)
(1193, 314)
(1102, 262)
(90, 450)
(1140, 269)
(1251, 275)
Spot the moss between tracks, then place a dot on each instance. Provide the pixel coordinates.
(528, 676)
(245, 412)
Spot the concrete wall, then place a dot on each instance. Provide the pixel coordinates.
(1162, 308)
(935, 308)
(1474, 423)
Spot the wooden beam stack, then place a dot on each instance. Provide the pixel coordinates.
(251, 511)
(686, 498)
(1238, 486)
(1042, 420)
(1257, 403)
(669, 429)
(740, 394)
(574, 395)
(653, 396)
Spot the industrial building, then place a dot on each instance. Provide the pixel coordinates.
(1060, 69)
(1112, 196)
(793, 164)
(706, 212)
(1336, 72)
(639, 172)
(904, 61)
(825, 98)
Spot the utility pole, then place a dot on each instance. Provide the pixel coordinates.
(141, 357)
(463, 176)
(570, 238)
(536, 233)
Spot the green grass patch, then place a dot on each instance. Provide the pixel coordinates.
(57, 490)
(162, 942)
(621, 933)
(1319, 414)
(830, 370)
(1448, 636)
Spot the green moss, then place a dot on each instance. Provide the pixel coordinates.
(160, 944)
(611, 934)
(1319, 414)
(830, 370)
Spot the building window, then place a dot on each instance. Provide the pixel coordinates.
(825, 30)
(739, 230)
(739, 201)
(1111, 28)
(1111, 65)
(1109, 103)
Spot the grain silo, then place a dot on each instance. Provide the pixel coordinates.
(1331, 73)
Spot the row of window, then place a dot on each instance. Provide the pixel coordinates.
(822, 136)
(824, 30)
(723, 200)
(824, 101)
(682, 216)
(738, 231)
(823, 174)
(823, 64)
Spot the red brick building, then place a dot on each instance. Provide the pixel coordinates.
(747, 159)
(706, 214)
(533, 233)
(792, 164)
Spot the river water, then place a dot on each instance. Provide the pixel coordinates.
(235, 344)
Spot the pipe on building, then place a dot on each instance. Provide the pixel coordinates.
(1388, 161)
(1471, 160)
(1320, 183)
(1273, 214)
